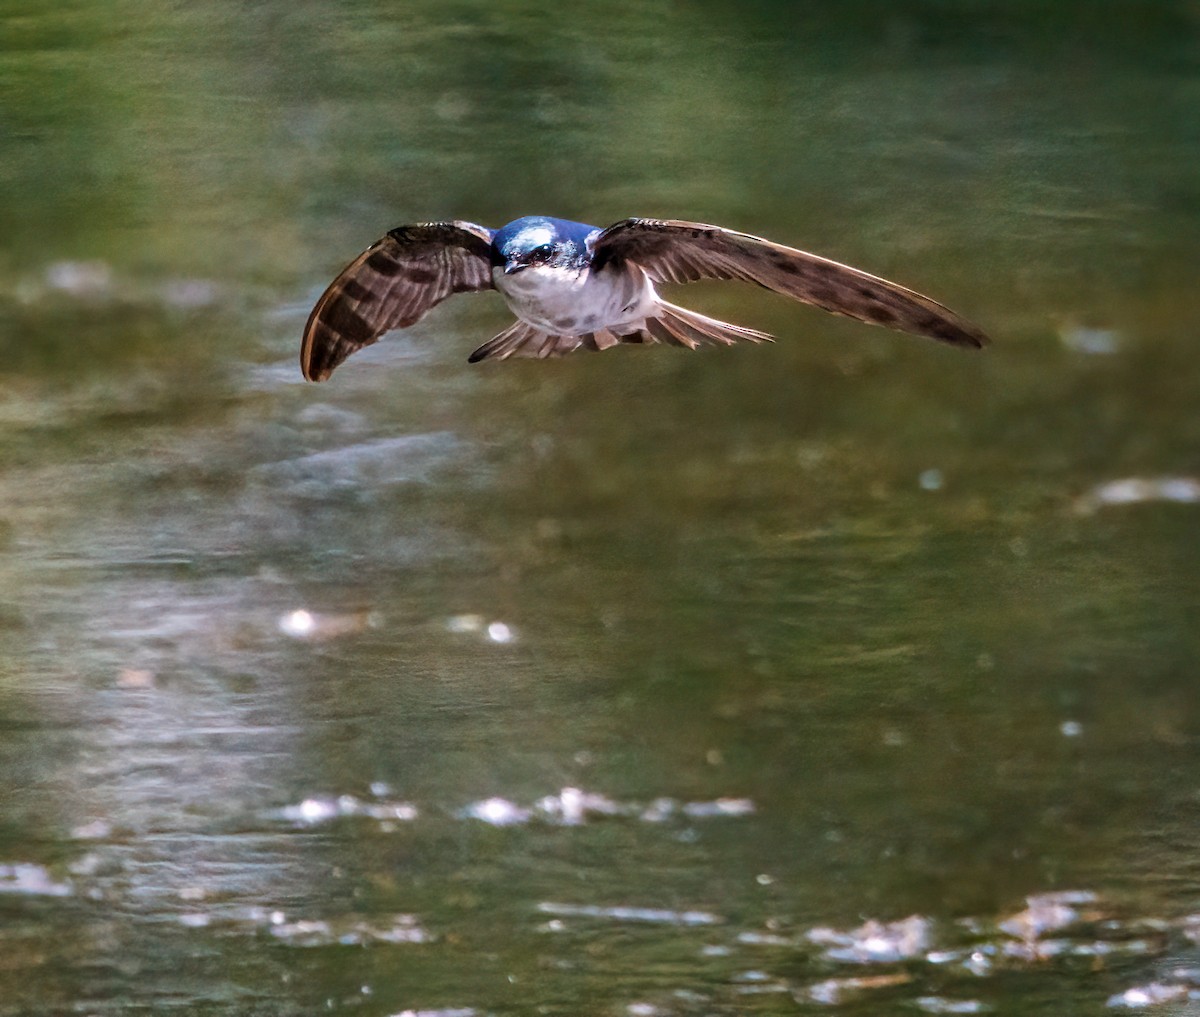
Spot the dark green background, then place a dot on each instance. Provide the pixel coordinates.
(724, 574)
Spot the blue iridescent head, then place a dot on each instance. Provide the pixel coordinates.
(541, 240)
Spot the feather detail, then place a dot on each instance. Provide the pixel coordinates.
(701, 330)
(521, 339)
(677, 251)
(392, 284)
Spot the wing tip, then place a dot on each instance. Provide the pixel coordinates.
(315, 375)
(316, 364)
(306, 364)
(325, 346)
(962, 334)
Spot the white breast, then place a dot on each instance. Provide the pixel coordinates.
(565, 301)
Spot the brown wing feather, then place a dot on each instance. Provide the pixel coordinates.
(391, 285)
(676, 251)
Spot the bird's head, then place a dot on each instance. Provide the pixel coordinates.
(541, 241)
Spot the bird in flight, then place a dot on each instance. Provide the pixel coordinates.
(574, 286)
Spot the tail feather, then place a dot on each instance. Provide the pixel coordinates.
(601, 339)
(521, 339)
(671, 331)
(677, 326)
(674, 326)
(701, 329)
(549, 345)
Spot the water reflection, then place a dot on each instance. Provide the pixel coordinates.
(655, 683)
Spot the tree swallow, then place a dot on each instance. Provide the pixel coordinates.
(575, 286)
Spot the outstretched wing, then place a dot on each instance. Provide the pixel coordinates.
(674, 251)
(391, 285)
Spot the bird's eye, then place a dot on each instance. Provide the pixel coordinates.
(542, 253)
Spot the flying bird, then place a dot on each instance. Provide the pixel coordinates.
(574, 286)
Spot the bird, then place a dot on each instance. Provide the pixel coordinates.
(573, 286)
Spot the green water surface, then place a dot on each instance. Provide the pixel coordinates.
(844, 629)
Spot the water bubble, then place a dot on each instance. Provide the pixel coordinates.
(931, 480)
(298, 624)
(80, 278)
(195, 919)
(303, 624)
(497, 812)
(28, 878)
(663, 916)
(464, 623)
(939, 1004)
(1153, 994)
(1087, 339)
(498, 632)
(311, 810)
(1135, 490)
(720, 807)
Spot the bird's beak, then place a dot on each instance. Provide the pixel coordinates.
(513, 266)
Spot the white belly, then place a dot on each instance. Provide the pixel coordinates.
(569, 302)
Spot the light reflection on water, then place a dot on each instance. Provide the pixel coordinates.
(638, 682)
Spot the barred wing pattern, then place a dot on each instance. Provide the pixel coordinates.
(677, 251)
(392, 284)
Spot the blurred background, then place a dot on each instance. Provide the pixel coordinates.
(850, 673)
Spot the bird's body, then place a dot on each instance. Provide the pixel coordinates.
(573, 301)
(572, 285)
(570, 299)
